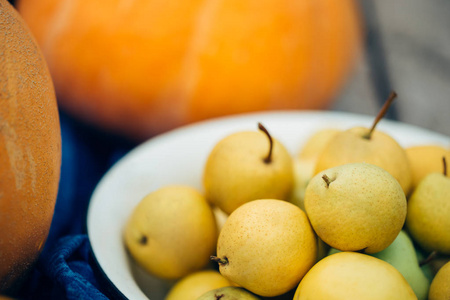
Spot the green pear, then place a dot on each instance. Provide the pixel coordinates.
(171, 232)
(305, 163)
(228, 293)
(322, 248)
(361, 144)
(266, 246)
(351, 275)
(401, 254)
(440, 286)
(428, 218)
(426, 267)
(356, 207)
(246, 166)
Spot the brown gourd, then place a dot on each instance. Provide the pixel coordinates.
(30, 149)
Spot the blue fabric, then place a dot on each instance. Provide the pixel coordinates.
(66, 268)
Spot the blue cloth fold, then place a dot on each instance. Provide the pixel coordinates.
(66, 268)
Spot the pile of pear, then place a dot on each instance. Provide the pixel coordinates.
(350, 215)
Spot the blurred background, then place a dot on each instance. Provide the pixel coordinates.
(408, 50)
(405, 47)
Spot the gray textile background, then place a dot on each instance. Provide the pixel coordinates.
(414, 39)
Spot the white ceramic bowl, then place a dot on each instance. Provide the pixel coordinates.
(178, 157)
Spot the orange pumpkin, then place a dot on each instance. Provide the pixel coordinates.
(30, 149)
(146, 66)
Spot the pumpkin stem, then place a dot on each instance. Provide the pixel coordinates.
(381, 114)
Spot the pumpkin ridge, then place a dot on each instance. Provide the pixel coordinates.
(56, 26)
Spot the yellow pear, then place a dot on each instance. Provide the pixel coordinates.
(246, 166)
(316, 143)
(266, 246)
(172, 232)
(351, 275)
(305, 163)
(229, 293)
(356, 207)
(381, 149)
(404, 257)
(221, 217)
(322, 248)
(302, 175)
(428, 218)
(440, 286)
(196, 284)
(436, 263)
(360, 144)
(425, 159)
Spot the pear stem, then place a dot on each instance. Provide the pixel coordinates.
(444, 162)
(221, 261)
(381, 113)
(430, 257)
(268, 158)
(326, 179)
(143, 240)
